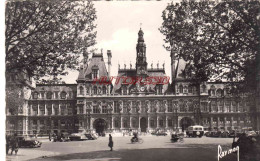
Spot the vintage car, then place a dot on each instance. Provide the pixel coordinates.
(28, 143)
(161, 134)
(81, 136)
(194, 131)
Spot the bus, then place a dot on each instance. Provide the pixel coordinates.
(194, 131)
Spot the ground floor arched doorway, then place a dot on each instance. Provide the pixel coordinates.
(100, 125)
(186, 122)
(143, 124)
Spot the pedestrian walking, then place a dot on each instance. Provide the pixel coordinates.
(14, 144)
(50, 136)
(7, 143)
(110, 143)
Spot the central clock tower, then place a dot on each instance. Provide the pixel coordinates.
(141, 64)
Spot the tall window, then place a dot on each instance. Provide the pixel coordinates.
(161, 123)
(169, 122)
(104, 109)
(169, 106)
(204, 88)
(181, 89)
(104, 90)
(96, 109)
(152, 123)
(116, 123)
(125, 123)
(95, 90)
(116, 107)
(190, 89)
(81, 90)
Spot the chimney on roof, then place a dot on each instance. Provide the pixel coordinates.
(109, 56)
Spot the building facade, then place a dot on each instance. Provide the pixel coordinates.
(95, 104)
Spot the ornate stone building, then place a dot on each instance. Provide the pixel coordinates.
(94, 104)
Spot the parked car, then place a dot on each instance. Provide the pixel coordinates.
(81, 136)
(233, 134)
(224, 134)
(161, 134)
(251, 133)
(28, 143)
(63, 137)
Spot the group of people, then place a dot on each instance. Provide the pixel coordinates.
(12, 143)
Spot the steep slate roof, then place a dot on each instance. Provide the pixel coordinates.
(97, 61)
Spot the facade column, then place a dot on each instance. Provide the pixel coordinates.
(52, 109)
(91, 123)
(31, 109)
(232, 127)
(225, 120)
(59, 125)
(38, 126)
(112, 122)
(166, 122)
(148, 123)
(218, 123)
(85, 109)
(77, 109)
(121, 120)
(59, 109)
(157, 125)
(139, 123)
(131, 122)
(211, 123)
(45, 109)
(38, 106)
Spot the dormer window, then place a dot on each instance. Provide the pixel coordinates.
(160, 90)
(124, 91)
(95, 72)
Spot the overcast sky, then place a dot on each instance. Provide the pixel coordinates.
(118, 24)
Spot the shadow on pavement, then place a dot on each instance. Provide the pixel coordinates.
(155, 154)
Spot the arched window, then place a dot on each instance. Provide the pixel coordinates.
(104, 90)
(219, 92)
(213, 90)
(35, 95)
(49, 95)
(63, 95)
(81, 90)
(181, 89)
